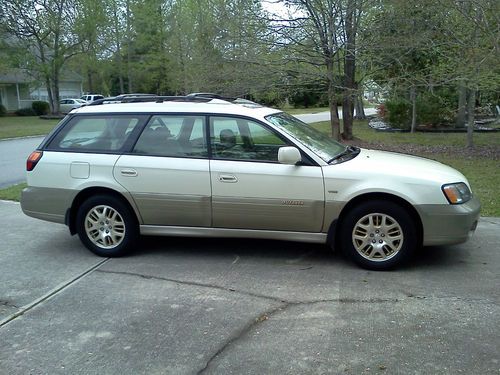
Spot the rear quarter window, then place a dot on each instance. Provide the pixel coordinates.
(95, 133)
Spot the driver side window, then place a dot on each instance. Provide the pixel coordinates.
(242, 139)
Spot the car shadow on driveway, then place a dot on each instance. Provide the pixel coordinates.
(287, 251)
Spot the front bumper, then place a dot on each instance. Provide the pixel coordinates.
(447, 224)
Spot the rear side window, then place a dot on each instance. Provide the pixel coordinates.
(96, 133)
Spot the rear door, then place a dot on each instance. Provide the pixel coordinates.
(251, 189)
(167, 172)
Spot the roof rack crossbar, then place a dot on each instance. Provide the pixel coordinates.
(196, 97)
(150, 98)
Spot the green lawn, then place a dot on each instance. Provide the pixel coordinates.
(13, 126)
(362, 131)
(12, 193)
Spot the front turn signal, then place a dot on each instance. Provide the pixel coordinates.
(457, 193)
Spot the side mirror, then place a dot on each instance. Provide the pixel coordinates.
(289, 155)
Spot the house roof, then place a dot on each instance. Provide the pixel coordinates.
(23, 76)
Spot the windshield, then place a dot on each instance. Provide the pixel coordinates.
(313, 139)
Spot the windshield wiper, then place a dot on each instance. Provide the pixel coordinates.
(348, 151)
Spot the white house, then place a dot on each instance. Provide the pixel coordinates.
(18, 89)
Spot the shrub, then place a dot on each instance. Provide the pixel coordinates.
(3, 110)
(434, 110)
(40, 107)
(398, 113)
(269, 99)
(25, 112)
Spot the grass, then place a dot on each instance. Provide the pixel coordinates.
(22, 126)
(480, 168)
(12, 193)
(484, 178)
(362, 131)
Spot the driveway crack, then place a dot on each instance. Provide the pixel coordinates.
(245, 330)
(194, 283)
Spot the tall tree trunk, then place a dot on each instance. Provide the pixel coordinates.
(119, 59)
(48, 84)
(462, 103)
(332, 102)
(349, 69)
(90, 80)
(359, 112)
(129, 51)
(413, 98)
(471, 105)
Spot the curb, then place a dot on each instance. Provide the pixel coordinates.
(25, 137)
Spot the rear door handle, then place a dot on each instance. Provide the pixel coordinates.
(227, 178)
(129, 172)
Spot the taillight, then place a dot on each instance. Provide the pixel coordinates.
(33, 160)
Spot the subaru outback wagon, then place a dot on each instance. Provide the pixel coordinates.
(204, 166)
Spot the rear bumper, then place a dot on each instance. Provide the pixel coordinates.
(447, 224)
(49, 204)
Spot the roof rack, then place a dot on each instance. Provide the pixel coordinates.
(197, 97)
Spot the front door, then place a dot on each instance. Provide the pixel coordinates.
(168, 172)
(251, 189)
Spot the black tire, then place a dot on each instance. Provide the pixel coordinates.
(385, 237)
(105, 240)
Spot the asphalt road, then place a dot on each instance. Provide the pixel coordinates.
(325, 116)
(193, 306)
(13, 155)
(14, 152)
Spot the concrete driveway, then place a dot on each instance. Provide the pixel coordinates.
(192, 306)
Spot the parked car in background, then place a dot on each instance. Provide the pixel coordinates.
(202, 165)
(66, 105)
(89, 98)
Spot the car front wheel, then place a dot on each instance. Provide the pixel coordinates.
(106, 226)
(378, 235)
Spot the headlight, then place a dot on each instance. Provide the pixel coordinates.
(457, 193)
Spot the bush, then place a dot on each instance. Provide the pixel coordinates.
(398, 113)
(310, 96)
(434, 110)
(269, 99)
(40, 107)
(3, 110)
(25, 112)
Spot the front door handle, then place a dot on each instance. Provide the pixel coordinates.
(227, 178)
(129, 172)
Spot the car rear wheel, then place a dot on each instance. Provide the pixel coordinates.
(378, 235)
(106, 226)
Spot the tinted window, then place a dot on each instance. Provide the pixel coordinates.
(173, 135)
(241, 139)
(95, 133)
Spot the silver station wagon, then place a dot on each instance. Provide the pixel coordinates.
(199, 165)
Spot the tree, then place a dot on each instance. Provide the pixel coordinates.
(45, 28)
(320, 39)
(429, 46)
(472, 53)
